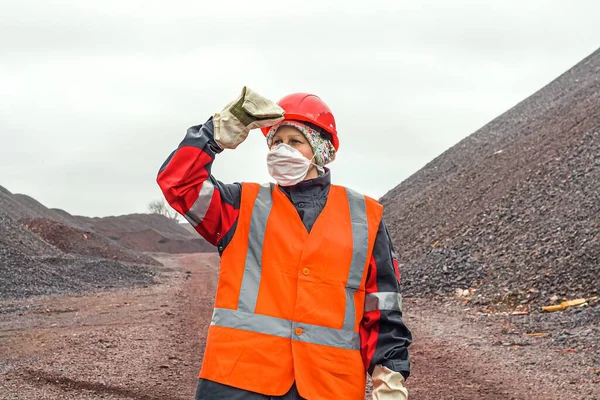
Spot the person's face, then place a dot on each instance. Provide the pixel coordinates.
(294, 138)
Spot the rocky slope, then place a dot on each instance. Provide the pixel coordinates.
(513, 210)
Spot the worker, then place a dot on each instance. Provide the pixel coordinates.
(308, 300)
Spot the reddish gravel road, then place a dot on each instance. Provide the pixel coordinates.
(147, 343)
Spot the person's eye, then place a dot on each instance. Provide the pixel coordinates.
(276, 142)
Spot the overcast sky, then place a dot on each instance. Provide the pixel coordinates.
(96, 94)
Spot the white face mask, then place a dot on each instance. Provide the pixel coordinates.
(287, 165)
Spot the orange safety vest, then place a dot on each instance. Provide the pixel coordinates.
(289, 303)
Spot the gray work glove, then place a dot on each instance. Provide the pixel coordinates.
(249, 111)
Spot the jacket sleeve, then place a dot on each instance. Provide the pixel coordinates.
(209, 205)
(384, 337)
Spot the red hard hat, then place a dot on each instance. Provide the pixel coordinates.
(309, 108)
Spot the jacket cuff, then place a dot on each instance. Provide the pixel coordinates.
(202, 137)
(402, 366)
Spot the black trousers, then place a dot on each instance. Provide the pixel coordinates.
(209, 390)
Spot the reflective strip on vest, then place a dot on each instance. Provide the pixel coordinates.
(360, 245)
(244, 317)
(256, 238)
(267, 325)
(383, 301)
(196, 213)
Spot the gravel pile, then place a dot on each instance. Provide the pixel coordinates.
(150, 233)
(23, 276)
(76, 241)
(29, 266)
(576, 328)
(140, 222)
(16, 236)
(155, 242)
(137, 232)
(512, 211)
(18, 206)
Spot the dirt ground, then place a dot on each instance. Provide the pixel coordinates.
(147, 343)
